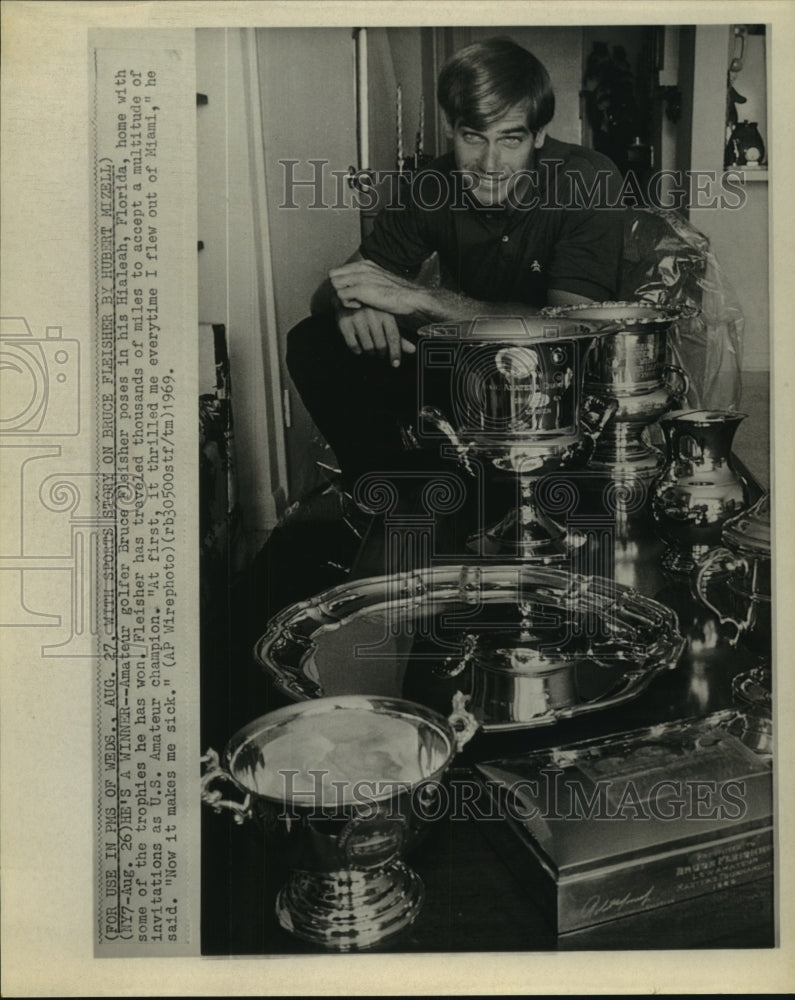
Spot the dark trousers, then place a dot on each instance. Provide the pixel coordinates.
(358, 402)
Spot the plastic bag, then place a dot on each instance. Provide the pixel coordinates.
(668, 262)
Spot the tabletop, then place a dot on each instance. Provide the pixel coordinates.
(476, 897)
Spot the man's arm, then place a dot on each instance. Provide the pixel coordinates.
(557, 297)
(363, 283)
(365, 330)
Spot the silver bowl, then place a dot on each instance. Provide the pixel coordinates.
(343, 788)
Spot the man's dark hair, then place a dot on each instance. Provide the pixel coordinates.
(482, 81)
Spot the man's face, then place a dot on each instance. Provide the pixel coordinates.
(497, 157)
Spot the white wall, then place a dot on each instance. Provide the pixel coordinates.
(230, 276)
(739, 238)
(262, 261)
(395, 57)
(307, 78)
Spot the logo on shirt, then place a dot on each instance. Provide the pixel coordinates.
(535, 266)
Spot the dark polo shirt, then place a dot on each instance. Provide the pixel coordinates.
(562, 234)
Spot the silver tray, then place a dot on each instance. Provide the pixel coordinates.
(526, 645)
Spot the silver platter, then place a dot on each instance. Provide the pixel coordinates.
(527, 645)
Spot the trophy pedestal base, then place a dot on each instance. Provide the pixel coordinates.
(524, 533)
(350, 910)
(626, 457)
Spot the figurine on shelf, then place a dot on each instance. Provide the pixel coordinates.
(749, 150)
(733, 98)
(744, 145)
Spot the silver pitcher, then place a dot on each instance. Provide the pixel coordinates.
(699, 489)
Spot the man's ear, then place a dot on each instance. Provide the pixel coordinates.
(541, 134)
(448, 128)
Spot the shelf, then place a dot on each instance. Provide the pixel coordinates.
(746, 176)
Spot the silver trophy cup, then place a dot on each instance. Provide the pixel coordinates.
(343, 787)
(631, 366)
(513, 401)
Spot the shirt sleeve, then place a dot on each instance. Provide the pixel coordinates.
(398, 240)
(587, 256)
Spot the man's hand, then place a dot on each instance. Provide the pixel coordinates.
(363, 283)
(368, 299)
(372, 331)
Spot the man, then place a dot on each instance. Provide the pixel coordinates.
(518, 220)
